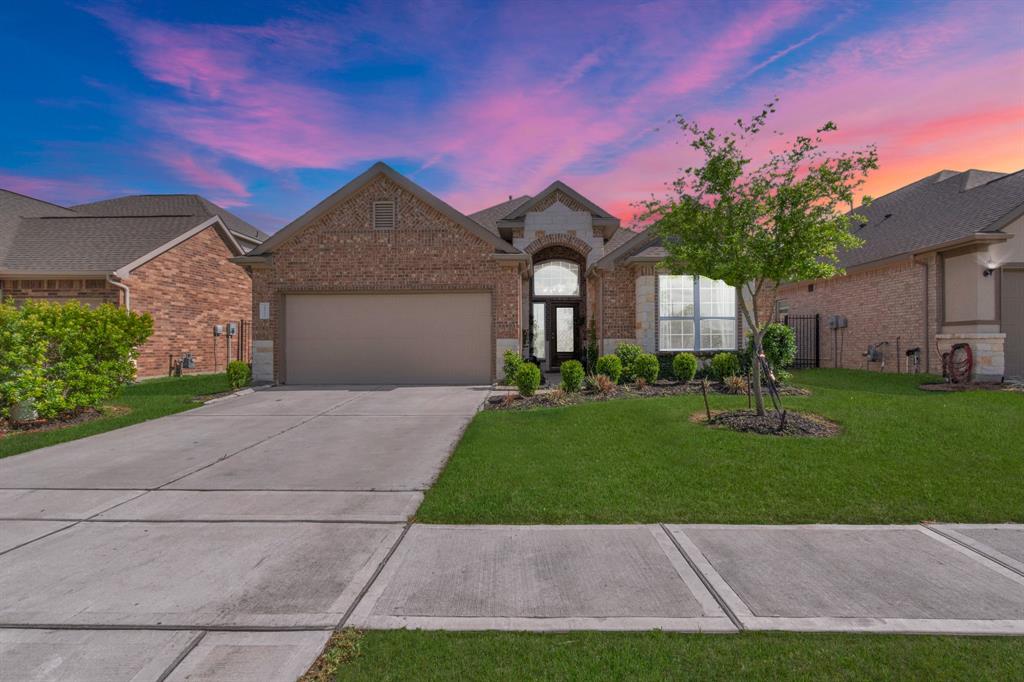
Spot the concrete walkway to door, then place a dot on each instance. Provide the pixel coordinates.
(226, 542)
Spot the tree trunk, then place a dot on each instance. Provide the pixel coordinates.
(755, 364)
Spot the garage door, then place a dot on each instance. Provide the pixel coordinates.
(388, 339)
(1012, 319)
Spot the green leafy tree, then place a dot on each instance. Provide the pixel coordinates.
(755, 227)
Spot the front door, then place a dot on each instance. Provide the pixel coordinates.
(562, 325)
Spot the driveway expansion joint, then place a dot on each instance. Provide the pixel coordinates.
(972, 548)
(703, 578)
(182, 655)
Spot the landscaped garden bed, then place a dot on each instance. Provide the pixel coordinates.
(788, 423)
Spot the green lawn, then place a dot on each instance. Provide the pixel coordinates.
(904, 456)
(410, 655)
(145, 400)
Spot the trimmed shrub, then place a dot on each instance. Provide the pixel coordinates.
(239, 374)
(610, 366)
(646, 368)
(59, 358)
(528, 379)
(513, 361)
(724, 365)
(572, 376)
(592, 352)
(779, 344)
(628, 353)
(684, 366)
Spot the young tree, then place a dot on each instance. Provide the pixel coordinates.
(751, 227)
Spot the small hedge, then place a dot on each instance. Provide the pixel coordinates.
(724, 365)
(239, 374)
(59, 358)
(779, 344)
(684, 366)
(528, 379)
(628, 353)
(610, 366)
(646, 367)
(513, 361)
(572, 376)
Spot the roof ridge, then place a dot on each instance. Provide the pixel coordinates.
(41, 201)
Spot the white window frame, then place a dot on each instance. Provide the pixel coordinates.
(696, 319)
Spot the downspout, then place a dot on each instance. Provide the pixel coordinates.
(927, 341)
(123, 287)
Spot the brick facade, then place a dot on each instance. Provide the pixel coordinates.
(880, 304)
(92, 291)
(618, 304)
(342, 252)
(187, 290)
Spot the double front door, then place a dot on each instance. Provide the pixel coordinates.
(556, 326)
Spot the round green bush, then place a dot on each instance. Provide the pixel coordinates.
(628, 353)
(572, 376)
(528, 379)
(513, 361)
(646, 367)
(610, 366)
(779, 344)
(239, 374)
(724, 365)
(684, 366)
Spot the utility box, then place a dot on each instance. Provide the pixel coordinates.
(187, 361)
(837, 322)
(218, 330)
(232, 328)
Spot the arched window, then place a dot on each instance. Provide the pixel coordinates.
(556, 278)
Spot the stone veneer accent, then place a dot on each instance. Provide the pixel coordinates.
(986, 351)
(561, 224)
(342, 252)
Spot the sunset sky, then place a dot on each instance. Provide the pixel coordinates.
(267, 108)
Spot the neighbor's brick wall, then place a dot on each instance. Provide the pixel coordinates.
(342, 252)
(187, 290)
(91, 291)
(879, 304)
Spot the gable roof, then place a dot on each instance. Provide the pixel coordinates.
(558, 186)
(38, 237)
(171, 205)
(936, 210)
(350, 189)
(489, 217)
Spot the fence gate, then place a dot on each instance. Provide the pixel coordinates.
(805, 327)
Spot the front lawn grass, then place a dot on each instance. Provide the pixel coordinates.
(420, 655)
(904, 456)
(145, 400)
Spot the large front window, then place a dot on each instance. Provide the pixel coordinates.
(556, 278)
(695, 314)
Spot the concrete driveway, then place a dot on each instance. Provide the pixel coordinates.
(223, 543)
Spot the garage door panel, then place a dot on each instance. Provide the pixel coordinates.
(388, 338)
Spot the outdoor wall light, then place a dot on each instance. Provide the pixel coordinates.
(989, 268)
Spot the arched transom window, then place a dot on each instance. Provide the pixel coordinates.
(556, 278)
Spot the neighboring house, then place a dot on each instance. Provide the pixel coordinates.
(382, 282)
(166, 255)
(942, 263)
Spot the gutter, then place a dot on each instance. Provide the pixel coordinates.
(123, 287)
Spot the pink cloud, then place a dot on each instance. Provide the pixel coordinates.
(228, 190)
(60, 191)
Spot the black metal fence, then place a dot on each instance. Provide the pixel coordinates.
(808, 340)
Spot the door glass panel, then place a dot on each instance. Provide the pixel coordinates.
(565, 341)
(538, 330)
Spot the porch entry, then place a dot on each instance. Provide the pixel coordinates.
(556, 326)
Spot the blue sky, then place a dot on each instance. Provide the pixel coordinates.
(266, 108)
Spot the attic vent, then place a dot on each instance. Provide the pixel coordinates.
(383, 215)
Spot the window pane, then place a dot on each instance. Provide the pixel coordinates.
(565, 341)
(675, 335)
(718, 334)
(675, 295)
(556, 278)
(717, 299)
(538, 330)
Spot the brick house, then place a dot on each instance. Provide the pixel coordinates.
(382, 282)
(942, 263)
(166, 255)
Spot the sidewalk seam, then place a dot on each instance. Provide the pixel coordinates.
(707, 584)
(975, 550)
(181, 656)
(373, 578)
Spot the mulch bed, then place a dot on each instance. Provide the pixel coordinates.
(86, 414)
(660, 389)
(1013, 386)
(797, 423)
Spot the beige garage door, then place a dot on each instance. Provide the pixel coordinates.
(1012, 314)
(388, 339)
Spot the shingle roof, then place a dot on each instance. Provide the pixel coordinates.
(940, 208)
(489, 217)
(100, 237)
(170, 205)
